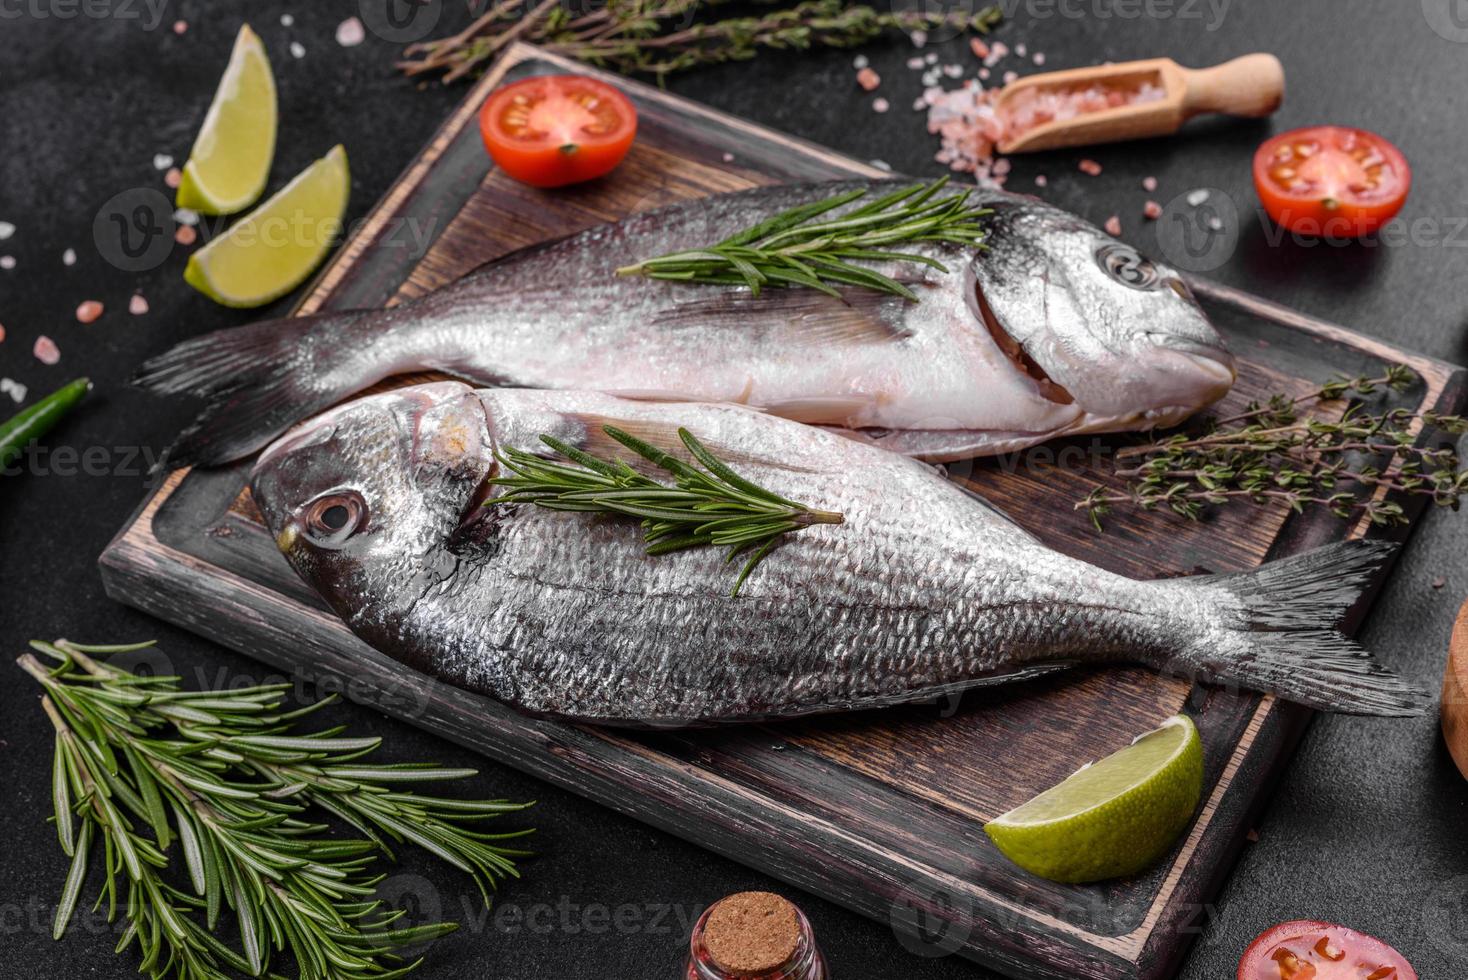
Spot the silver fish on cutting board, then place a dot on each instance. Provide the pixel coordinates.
(1052, 328)
(923, 590)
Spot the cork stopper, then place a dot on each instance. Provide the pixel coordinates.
(751, 932)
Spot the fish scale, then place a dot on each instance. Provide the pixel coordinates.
(922, 590)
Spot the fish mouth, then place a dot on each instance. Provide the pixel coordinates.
(1213, 358)
(1015, 353)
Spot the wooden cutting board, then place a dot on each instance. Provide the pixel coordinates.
(882, 811)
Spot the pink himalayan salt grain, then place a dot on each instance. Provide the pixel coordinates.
(1039, 59)
(915, 63)
(350, 32)
(1149, 184)
(1041, 180)
(880, 105)
(1152, 210)
(89, 311)
(979, 48)
(173, 177)
(1090, 167)
(984, 74)
(137, 306)
(919, 38)
(46, 350)
(179, 26)
(185, 235)
(1113, 226)
(2, 333)
(1010, 77)
(868, 79)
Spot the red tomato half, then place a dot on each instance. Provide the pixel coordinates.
(1320, 951)
(553, 130)
(1331, 181)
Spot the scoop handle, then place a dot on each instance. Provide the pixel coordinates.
(1250, 86)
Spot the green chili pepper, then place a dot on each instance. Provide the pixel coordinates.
(39, 419)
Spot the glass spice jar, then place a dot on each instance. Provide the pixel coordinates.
(754, 936)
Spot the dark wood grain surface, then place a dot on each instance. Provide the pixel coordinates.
(883, 811)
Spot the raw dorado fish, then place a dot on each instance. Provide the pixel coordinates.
(923, 590)
(1052, 328)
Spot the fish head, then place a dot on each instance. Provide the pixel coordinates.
(366, 496)
(1093, 321)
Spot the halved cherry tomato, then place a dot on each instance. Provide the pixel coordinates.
(1331, 181)
(553, 130)
(1308, 950)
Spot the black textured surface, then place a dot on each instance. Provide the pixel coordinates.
(1368, 825)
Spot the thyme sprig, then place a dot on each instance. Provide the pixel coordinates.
(709, 507)
(795, 248)
(1275, 453)
(152, 771)
(661, 37)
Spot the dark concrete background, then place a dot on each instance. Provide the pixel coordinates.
(1368, 825)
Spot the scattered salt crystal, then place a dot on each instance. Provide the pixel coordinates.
(185, 235)
(1215, 223)
(931, 58)
(7, 262)
(6, 230)
(952, 71)
(880, 105)
(186, 216)
(728, 158)
(14, 389)
(179, 26)
(162, 161)
(919, 104)
(68, 257)
(298, 50)
(915, 62)
(1090, 167)
(1198, 197)
(287, 20)
(350, 32)
(1149, 184)
(1002, 168)
(984, 74)
(1041, 180)
(1113, 226)
(979, 48)
(868, 79)
(860, 62)
(1152, 210)
(1010, 77)
(931, 76)
(46, 350)
(1039, 59)
(1021, 51)
(919, 38)
(137, 306)
(882, 165)
(89, 311)
(173, 177)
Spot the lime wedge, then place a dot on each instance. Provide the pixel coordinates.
(1113, 818)
(230, 161)
(274, 248)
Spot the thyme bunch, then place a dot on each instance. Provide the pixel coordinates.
(1274, 452)
(660, 37)
(796, 248)
(712, 507)
(149, 771)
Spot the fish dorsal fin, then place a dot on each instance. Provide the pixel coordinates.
(664, 436)
(807, 317)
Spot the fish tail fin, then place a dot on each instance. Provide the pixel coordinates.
(1280, 634)
(261, 379)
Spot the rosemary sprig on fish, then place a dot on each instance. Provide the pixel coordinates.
(714, 506)
(794, 248)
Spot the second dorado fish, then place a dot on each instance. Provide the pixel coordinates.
(1050, 328)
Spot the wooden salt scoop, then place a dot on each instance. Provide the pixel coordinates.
(1251, 86)
(1455, 692)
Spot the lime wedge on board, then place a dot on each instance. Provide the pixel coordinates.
(274, 248)
(230, 161)
(1113, 818)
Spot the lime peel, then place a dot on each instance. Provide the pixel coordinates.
(230, 161)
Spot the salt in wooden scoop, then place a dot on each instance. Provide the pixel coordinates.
(1251, 86)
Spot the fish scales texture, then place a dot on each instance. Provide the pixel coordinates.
(1051, 328)
(922, 590)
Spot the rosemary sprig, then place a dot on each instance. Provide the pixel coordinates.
(660, 37)
(1274, 453)
(152, 771)
(800, 247)
(713, 506)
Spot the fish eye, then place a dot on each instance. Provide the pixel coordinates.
(1124, 264)
(333, 518)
